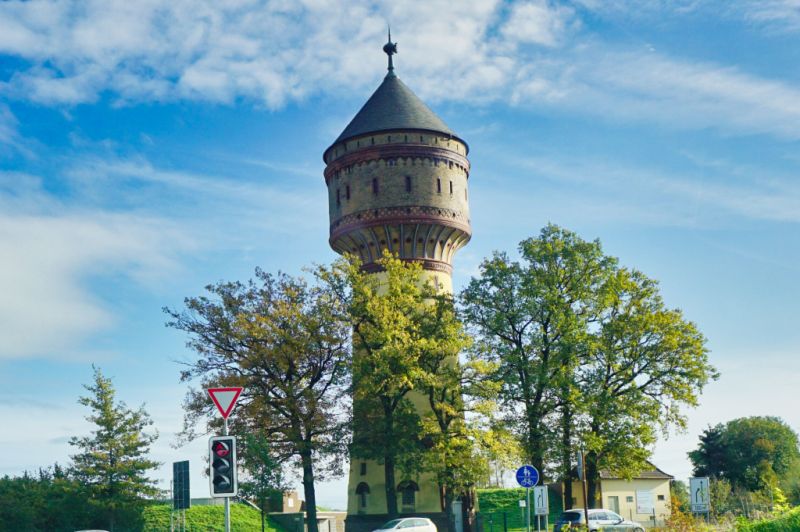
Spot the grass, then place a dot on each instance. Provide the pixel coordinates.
(208, 518)
(790, 521)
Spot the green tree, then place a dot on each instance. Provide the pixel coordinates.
(753, 453)
(112, 462)
(264, 481)
(406, 340)
(287, 343)
(587, 354)
(530, 319)
(646, 362)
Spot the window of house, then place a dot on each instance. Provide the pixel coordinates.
(629, 498)
(660, 497)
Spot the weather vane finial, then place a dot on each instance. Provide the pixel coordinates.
(390, 48)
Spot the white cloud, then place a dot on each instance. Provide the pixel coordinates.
(527, 53)
(49, 254)
(537, 22)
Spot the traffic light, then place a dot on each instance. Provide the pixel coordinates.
(222, 464)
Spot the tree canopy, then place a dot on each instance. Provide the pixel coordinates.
(286, 342)
(587, 353)
(753, 453)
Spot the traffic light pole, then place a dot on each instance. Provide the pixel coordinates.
(227, 499)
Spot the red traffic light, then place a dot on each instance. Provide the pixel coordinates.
(221, 449)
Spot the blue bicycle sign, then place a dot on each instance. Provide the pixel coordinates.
(527, 476)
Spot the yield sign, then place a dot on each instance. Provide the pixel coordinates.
(225, 399)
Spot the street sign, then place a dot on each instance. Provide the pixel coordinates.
(225, 399)
(222, 465)
(699, 495)
(540, 502)
(180, 485)
(527, 476)
(644, 502)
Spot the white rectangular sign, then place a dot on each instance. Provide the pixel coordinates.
(644, 502)
(699, 495)
(540, 503)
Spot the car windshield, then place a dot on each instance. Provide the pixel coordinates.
(572, 517)
(391, 524)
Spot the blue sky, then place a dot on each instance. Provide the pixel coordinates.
(150, 148)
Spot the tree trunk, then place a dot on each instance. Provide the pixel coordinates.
(308, 490)
(448, 508)
(592, 478)
(391, 488)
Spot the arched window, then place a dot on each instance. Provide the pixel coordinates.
(362, 490)
(408, 495)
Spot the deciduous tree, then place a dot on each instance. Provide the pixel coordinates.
(287, 343)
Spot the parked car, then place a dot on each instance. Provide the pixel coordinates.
(600, 520)
(408, 524)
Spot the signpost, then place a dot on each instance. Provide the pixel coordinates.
(225, 399)
(699, 495)
(180, 492)
(540, 504)
(528, 477)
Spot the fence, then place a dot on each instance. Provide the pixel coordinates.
(510, 521)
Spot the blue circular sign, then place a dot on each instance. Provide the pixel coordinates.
(527, 476)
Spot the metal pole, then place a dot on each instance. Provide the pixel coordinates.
(585, 491)
(227, 499)
(528, 506)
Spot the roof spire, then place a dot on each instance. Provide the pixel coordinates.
(390, 48)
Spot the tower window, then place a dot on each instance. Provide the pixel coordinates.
(421, 138)
(374, 185)
(388, 138)
(347, 192)
(465, 193)
(363, 468)
(338, 197)
(362, 490)
(438, 185)
(408, 495)
(451, 188)
(406, 138)
(408, 183)
(372, 139)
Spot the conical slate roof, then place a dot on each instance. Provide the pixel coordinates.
(393, 106)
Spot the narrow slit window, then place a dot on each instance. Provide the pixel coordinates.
(363, 468)
(338, 197)
(374, 185)
(408, 183)
(347, 192)
(451, 188)
(438, 185)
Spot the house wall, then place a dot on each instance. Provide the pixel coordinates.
(626, 491)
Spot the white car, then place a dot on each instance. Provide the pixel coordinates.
(408, 524)
(599, 519)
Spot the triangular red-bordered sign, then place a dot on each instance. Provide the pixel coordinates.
(225, 399)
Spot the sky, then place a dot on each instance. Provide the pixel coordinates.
(150, 148)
